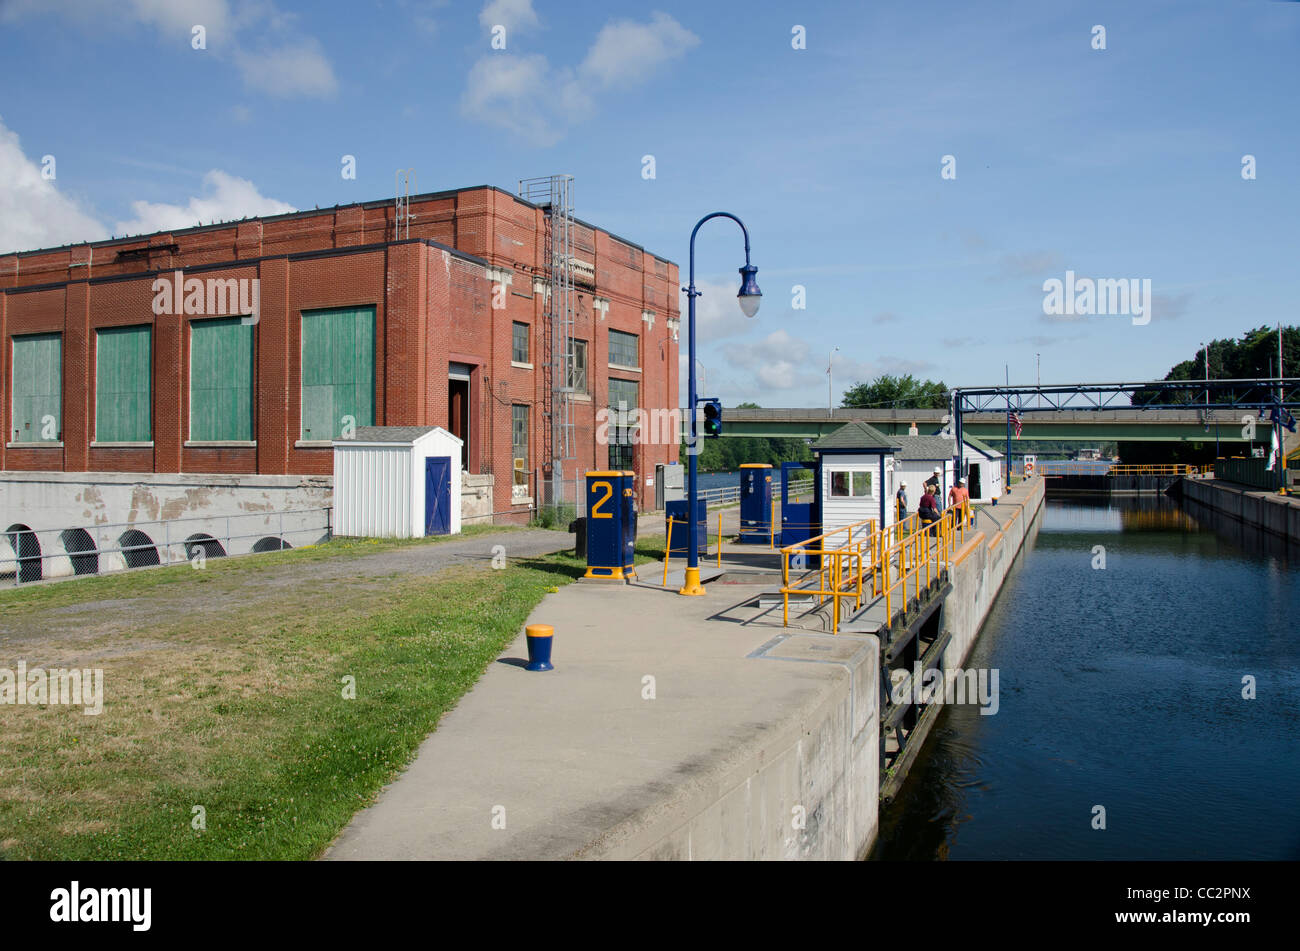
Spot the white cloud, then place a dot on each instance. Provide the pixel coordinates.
(717, 314)
(283, 61)
(626, 52)
(33, 213)
(541, 102)
(512, 14)
(778, 361)
(227, 198)
(512, 92)
(301, 69)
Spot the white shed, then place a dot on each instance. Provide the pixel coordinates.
(397, 482)
(855, 476)
(983, 465)
(917, 458)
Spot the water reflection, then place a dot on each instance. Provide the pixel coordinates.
(1122, 688)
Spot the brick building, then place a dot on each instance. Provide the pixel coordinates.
(117, 358)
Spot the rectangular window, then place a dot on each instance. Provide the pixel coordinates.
(620, 457)
(622, 422)
(623, 349)
(578, 367)
(852, 484)
(221, 380)
(519, 442)
(622, 395)
(338, 371)
(124, 384)
(38, 388)
(519, 343)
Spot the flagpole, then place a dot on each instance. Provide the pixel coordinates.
(1007, 368)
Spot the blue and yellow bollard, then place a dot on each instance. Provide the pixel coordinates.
(539, 646)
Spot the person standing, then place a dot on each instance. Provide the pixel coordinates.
(900, 502)
(960, 497)
(932, 483)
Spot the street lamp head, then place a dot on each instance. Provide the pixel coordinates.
(750, 296)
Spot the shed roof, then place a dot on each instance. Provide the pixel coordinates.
(925, 447)
(981, 445)
(392, 434)
(856, 436)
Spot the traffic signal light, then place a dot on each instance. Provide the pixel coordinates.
(712, 418)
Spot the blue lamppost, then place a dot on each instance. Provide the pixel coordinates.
(749, 297)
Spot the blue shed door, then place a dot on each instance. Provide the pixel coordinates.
(437, 495)
(798, 502)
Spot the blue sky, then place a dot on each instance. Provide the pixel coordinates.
(1117, 163)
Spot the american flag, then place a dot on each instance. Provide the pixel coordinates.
(1015, 421)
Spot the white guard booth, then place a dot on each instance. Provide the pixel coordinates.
(397, 482)
(855, 476)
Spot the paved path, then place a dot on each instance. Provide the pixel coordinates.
(124, 615)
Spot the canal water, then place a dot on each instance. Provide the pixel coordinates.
(1121, 687)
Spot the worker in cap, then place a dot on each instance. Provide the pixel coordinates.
(960, 497)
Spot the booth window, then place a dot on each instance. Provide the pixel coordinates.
(623, 349)
(124, 384)
(338, 371)
(851, 484)
(221, 380)
(38, 388)
(519, 343)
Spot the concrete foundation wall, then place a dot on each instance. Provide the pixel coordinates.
(476, 498)
(824, 763)
(241, 512)
(1279, 515)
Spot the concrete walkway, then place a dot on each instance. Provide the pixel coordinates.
(653, 708)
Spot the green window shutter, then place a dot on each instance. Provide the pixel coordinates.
(37, 388)
(124, 384)
(338, 370)
(221, 380)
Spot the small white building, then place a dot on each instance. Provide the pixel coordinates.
(917, 458)
(855, 476)
(983, 465)
(397, 482)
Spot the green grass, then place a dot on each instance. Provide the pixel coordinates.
(244, 714)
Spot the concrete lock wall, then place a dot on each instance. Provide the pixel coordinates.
(824, 760)
(1276, 514)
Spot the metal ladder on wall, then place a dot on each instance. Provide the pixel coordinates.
(554, 193)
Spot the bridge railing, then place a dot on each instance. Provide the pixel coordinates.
(1092, 468)
(895, 563)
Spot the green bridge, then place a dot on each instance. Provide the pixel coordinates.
(1150, 425)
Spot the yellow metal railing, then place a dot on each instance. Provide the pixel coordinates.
(897, 561)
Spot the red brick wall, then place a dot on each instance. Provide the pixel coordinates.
(432, 308)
